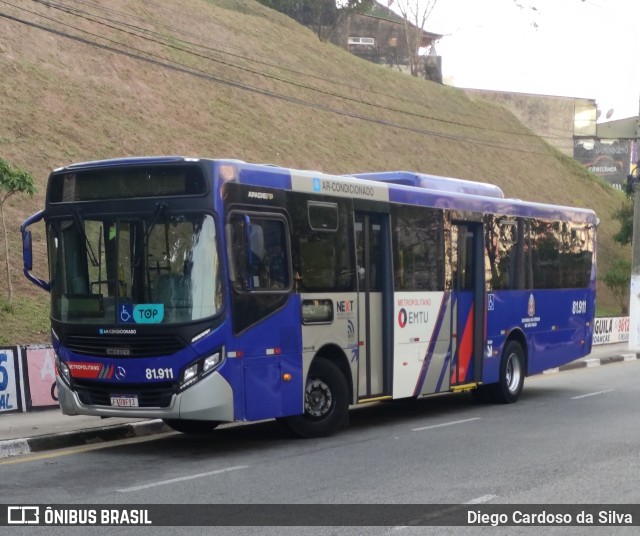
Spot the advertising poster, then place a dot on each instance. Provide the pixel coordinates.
(611, 330)
(9, 398)
(610, 159)
(40, 376)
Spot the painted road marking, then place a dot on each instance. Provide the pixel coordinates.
(592, 394)
(480, 500)
(444, 424)
(182, 479)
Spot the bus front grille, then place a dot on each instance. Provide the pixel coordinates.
(137, 346)
(149, 396)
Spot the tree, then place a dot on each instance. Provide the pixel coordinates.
(625, 216)
(618, 279)
(12, 180)
(415, 14)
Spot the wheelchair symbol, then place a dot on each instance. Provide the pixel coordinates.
(125, 314)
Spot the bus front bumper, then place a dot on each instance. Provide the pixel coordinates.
(211, 399)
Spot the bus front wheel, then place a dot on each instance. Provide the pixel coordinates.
(326, 402)
(186, 426)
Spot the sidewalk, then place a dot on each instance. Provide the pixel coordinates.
(36, 431)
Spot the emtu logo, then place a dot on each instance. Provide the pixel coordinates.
(412, 317)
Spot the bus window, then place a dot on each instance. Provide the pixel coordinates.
(322, 257)
(508, 260)
(323, 216)
(259, 246)
(418, 248)
(578, 255)
(258, 265)
(317, 264)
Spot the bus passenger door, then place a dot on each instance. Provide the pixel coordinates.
(373, 262)
(468, 303)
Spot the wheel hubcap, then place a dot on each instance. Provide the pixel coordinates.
(513, 373)
(318, 399)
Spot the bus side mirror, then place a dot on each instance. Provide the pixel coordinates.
(27, 252)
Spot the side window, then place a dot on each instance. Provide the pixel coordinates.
(322, 257)
(323, 216)
(508, 258)
(547, 254)
(418, 248)
(259, 266)
(537, 254)
(578, 254)
(258, 253)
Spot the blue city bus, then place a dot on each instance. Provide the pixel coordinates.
(203, 291)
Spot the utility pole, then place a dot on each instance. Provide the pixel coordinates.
(634, 296)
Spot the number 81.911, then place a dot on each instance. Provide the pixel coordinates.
(159, 373)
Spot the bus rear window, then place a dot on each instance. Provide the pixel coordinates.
(126, 183)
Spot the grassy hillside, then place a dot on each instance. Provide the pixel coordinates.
(230, 78)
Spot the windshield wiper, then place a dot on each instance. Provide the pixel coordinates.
(160, 208)
(79, 222)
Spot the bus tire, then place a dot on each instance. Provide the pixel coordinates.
(186, 426)
(512, 371)
(326, 402)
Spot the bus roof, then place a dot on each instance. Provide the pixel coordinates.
(127, 161)
(433, 182)
(407, 188)
(389, 186)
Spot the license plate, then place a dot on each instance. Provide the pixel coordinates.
(124, 401)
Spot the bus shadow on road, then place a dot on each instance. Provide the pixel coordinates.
(379, 417)
(238, 437)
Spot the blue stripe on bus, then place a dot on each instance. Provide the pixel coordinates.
(432, 344)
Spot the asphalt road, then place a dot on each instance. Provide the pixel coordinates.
(572, 438)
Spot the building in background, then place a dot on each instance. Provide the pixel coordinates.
(613, 152)
(569, 124)
(379, 36)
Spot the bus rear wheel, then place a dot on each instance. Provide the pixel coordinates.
(511, 382)
(191, 427)
(512, 372)
(326, 402)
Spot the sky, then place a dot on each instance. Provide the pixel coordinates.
(571, 48)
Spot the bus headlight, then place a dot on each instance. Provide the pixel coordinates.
(190, 373)
(210, 362)
(63, 370)
(201, 368)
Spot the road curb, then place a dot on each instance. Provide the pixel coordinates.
(19, 447)
(596, 362)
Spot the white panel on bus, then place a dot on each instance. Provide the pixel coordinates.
(415, 322)
(319, 183)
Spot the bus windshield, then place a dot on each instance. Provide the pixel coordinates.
(160, 268)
